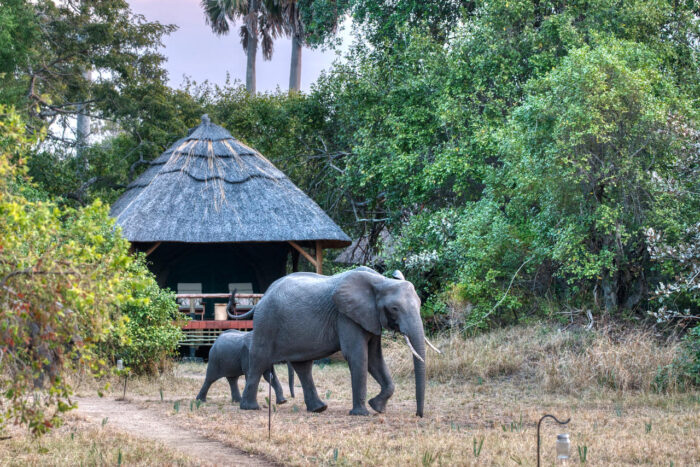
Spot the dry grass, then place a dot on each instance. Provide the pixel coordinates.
(78, 442)
(492, 388)
(571, 362)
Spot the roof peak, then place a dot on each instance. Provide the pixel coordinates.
(205, 119)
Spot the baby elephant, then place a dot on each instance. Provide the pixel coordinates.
(228, 358)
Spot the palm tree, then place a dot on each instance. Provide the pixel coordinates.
(261, 19)
(294, 28)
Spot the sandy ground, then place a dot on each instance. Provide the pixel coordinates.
(129, 417)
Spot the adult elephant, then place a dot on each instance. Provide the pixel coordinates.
(303, 317)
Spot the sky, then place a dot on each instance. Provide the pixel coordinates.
(194, 50)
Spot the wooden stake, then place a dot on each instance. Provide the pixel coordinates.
(269, 406)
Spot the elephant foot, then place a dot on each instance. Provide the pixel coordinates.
(317, 408)
(359, 411)
(235, 399)
(201, 398)
(378, 404)
(249, 405)
(281, 401)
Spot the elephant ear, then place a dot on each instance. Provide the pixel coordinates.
(355, 298)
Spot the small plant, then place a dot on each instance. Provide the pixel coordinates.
(176, 406)
(618, 411)
(477, 446)
(104, 421)
(161, 395)
(647, 427)
(295, 409)
(582, 453)
(429, 458)
(328, 394)
(516, 459)
(335, 455)
(119, 457)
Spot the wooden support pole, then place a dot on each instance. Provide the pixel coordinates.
(319, 258)
(304, 253)
(152, 249)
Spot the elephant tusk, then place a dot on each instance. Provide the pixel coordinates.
(415, 354)
(432, 346)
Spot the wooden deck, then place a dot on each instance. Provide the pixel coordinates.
(204, 332)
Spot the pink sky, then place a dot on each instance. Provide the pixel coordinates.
(194, 50)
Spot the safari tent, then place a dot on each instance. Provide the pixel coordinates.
(213, 214)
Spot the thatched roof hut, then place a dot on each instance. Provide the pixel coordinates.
(212, 206)
(209, 187)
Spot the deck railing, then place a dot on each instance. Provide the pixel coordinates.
(205, 332)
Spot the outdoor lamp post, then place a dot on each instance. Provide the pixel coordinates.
(563, 444)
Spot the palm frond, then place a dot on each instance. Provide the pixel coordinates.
(243, 33)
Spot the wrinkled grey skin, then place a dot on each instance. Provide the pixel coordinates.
(303, 317)
(228, 358)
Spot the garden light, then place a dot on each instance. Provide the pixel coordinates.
(563, 447)
(562, 440)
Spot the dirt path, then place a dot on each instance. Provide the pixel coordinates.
(136, 421)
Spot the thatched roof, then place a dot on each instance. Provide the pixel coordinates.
(209, 187)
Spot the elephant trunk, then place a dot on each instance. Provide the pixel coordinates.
(417, 341)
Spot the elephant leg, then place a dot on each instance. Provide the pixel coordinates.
(313, 402)
(276, 386)
(379, 371)
(208, 381)
(353, 343)
(250, 393)
(233, 384)
(290, 373)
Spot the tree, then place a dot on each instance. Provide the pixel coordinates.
(580, 162)
(50, 47)
(261, 18)
(67, 285)
(313, 23)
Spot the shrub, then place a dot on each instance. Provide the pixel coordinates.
(66, 277)
(152, 329)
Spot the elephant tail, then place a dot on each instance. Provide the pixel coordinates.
(248, 315)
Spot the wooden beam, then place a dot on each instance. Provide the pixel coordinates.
(152, 249)
(304, 253)
(319, 258)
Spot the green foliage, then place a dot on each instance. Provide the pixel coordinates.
(48, 46)
(521, 156)
(152, 328)
(689, 362)
(65, 276)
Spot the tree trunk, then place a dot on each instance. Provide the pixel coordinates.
(610, 286)
(82, 132)
(252, 50)
(295, 66)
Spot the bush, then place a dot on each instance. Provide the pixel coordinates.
(152, 329)
(66, 281)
